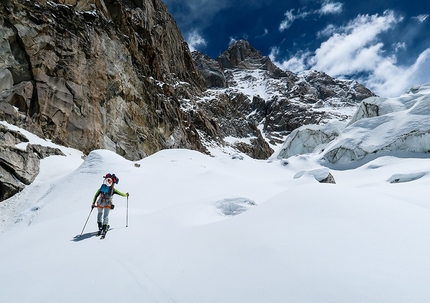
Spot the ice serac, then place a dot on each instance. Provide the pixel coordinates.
(380, 126)
(309, 139)
(385, 126)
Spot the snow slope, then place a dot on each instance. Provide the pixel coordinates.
(217, 229)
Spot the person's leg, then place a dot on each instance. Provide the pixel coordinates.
(99, 217)
(106, 218)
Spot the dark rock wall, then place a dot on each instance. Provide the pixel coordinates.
(97, 74)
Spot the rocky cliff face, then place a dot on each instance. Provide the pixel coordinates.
(97, 74)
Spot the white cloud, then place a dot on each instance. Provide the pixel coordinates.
(357, 49)
(295, 64)
(195, 40)
(327, 7)
(288, 21)
(354, 47)
(391, 80)
(421, 18)
(400, 46)
(327, 31)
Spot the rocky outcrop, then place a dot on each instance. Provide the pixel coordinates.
(210, 69)
(233, 125)
(329, 179)
(322, 175)
(19, 167)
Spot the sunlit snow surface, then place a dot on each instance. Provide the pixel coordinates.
(219, 229)
(225, 228)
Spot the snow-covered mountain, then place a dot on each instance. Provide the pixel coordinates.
(257, 92)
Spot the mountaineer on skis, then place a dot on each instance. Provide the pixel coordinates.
(104, 202)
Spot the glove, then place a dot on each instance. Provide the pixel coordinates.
(112, 206)
(92, 206)
(128, 195)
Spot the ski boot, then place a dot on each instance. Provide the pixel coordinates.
(100, 229)
(104, 231)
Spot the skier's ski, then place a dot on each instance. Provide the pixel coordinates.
(103, 235)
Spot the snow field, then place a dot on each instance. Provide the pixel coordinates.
(363, 239)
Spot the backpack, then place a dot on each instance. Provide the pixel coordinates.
(107, 187)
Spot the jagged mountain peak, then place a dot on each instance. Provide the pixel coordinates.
(245, 86)
(242, 55)
(239, 52)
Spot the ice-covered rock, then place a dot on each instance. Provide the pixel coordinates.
(322, 175)
(400, 178)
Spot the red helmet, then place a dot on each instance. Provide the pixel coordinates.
(114, 178)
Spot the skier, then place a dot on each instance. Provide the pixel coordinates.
(104, 203)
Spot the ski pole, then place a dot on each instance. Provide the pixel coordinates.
(86, 222)
(126, 216)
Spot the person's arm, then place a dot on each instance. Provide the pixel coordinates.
(120, 193)
(95, 196)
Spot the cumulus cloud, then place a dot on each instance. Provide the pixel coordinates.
(327, 7)
(195, 40)
(295, 64)
(357, 49)
(354, 46)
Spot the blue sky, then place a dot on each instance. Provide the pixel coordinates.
(383, 44)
